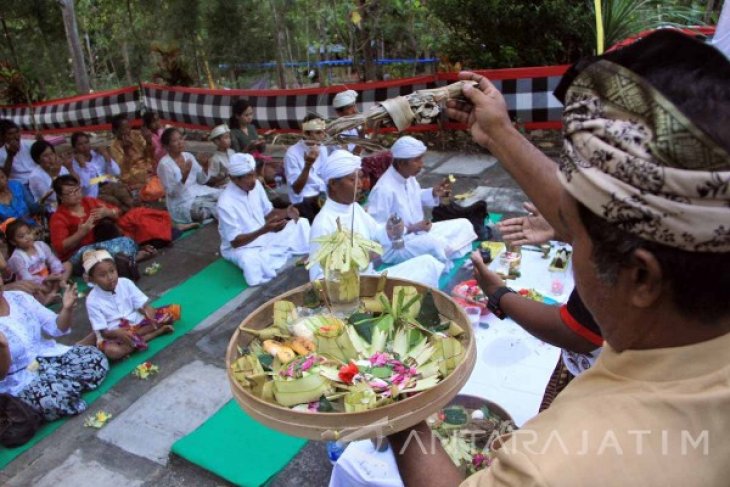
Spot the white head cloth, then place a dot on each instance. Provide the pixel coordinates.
(218, 130)
(241, 164)
(408, 147)
(93, 257)
(344, 99)
(339, 164)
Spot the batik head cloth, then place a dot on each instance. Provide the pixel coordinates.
(635, 160)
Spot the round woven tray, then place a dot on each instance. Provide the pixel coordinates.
(373, 423)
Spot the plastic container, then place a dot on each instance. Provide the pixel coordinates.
(474, 313)
(335, 449)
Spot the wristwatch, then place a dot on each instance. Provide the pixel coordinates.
(495, 298)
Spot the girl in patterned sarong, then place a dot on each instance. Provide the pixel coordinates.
(119, 312)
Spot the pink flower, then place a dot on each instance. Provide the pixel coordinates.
(308, 363)
(378, 384)
(379, 359)
(313, 407)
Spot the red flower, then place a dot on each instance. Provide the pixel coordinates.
(348, 372)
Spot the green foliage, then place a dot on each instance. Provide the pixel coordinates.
(624, 18)
(510, 33)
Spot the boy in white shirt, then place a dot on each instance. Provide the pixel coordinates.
(220, 160)
(120, 314)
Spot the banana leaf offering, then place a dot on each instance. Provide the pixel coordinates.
(390, 348)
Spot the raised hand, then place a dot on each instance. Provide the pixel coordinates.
(488, 281)
(69, 296)
(485, 112)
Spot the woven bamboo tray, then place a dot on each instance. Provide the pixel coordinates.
(373, 423)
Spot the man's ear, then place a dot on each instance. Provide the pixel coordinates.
(645, 278)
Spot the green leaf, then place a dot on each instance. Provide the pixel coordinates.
(455, 415)
(381, 372)
(325, 406)
(267, 361)
(429, 316)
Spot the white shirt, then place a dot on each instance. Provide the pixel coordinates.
(241, 212)
(94, 168)
(218, 163)
(395, 194)
(23, 163)
(293, 167)
(106, 309)
(326, 222)
(181, 195)
(24, 328)
(40, 183)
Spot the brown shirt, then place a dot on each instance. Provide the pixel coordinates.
(640, 417)
(135, 162)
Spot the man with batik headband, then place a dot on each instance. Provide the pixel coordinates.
(254, 235)
(398, 192)
(643, 193)
(341, 173)
(301, 164)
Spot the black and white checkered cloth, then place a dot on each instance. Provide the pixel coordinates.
(528, 93)
(87, 112)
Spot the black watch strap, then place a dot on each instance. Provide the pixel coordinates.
(494, 300)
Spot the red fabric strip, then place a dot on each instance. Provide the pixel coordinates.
(581, 330)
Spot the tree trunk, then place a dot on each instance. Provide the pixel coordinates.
(74, 45)
(280, 74)
(127, 65)
(366, 39)
(92, 67)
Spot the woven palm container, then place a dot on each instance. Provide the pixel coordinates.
(372, 423)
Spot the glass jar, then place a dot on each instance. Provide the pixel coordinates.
(343, 291)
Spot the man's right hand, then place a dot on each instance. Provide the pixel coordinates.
(485, 113)
(275, 224)
(488, 281)
(311, 156)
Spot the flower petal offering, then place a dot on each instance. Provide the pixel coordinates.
(401, 355)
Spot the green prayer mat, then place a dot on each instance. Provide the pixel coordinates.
(237, 448)
(200, 296)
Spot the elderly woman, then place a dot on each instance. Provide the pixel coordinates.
(188, 198)
(42, 373)
(40, 179)
(16, 201)
(83, 223)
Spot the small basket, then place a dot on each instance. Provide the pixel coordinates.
(372, 423)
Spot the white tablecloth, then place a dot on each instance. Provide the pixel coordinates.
(512, 370)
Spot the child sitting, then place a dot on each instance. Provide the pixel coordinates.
(218, 162)
(33, 260)
(119, 312)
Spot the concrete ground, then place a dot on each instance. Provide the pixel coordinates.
(148, 416)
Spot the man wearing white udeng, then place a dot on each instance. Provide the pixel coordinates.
(398, 192)
(254, 235)
(341, 175)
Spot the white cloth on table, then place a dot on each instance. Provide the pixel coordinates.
(361, 465)
(94, 168)
(423, 268)
(293, 167)
(181, 195)
(394, 194)
(23, 163)
(218, 163)
(243, 212)
(107, 309)
(40, 183)
(33, 267)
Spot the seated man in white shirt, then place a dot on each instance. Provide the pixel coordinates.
(15, 159)
(344, 105)
(398, 192)
(341, 174)
(254, 235)
(301, 163)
